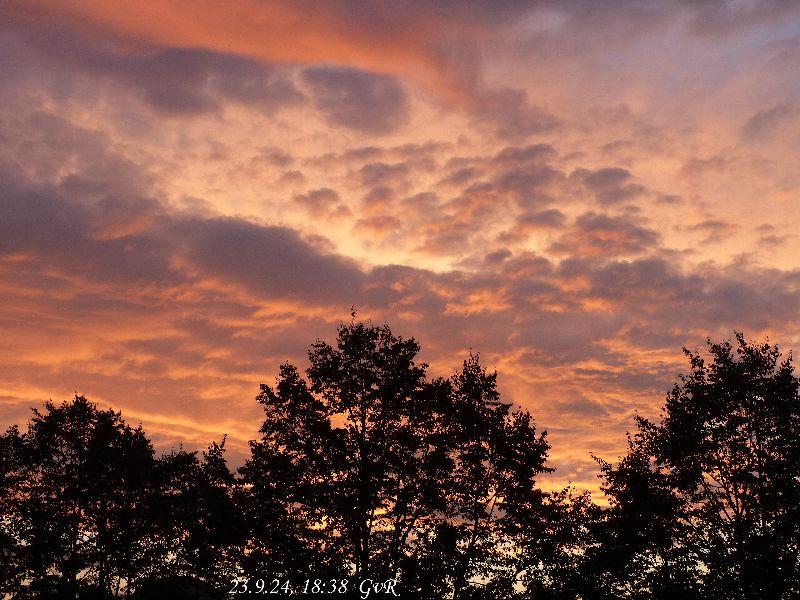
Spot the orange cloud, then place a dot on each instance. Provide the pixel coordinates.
(271, 31)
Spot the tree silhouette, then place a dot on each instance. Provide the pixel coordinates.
(352, 462)
(550, 544)
(640, 543)
(707, 502)
(13, 556)
(497, 459)
(81, 480)
(365, 467)
(197, 522)
(89, 512)
(368, 466)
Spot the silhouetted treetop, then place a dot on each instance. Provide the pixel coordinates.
(367, 467)
(708, 499)
(89, 511)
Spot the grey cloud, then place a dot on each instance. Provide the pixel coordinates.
(292, 177)
(630, 377)
(359, 100)
(422, 206)
(617, 146)
(766, 124)
(517, 178)
(322, 203)
(53, 151)
(649, 335)
(581, 26)
(270, 261)
(266, 260)
(63, 232)
(698, 167)
(378, 198)
(172, 80)
(557, 338)
(275, 157)
(384, 15)
(378, 228)
(704, 298)
(381, 173)
(498, 256)
(530, 187)
(273, 262)
(638, 281)
(718, 18)
(608, 185)
(515, 155)
(363, 154)
(595, 234)
(550, 218)
(581, 406)
(529, 308)
(185, 81)
(462, 176)
(773, 241)
(424, 151)
(715, 230)
(509, 115)
(442, 237)
(421, 155)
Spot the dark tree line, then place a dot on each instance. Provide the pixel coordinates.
(366, 467)
(706, 504)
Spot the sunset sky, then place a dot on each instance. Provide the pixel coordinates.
(193, 192)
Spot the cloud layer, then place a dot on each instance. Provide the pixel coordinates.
(575, 190)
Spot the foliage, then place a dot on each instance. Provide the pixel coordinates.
(87, 510)
(707, 502)
(366, 467)
(370, 467)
